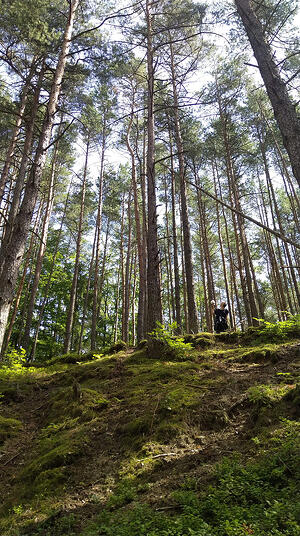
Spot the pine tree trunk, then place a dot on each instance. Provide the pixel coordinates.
(49, 281)
(86, 297)
(41, 252)
(153, 274)
(71, 308)
(14, 253)
(210, 293)
(139, 239)
(116, 326)
(284, 110)
(133, 295)
(192, 308)
(215, 173)
(170, 287)
(175, 244)
(16, 130)
(97, 255)
(280, 299)
(20, 177)
(21, 284)
(126, 304)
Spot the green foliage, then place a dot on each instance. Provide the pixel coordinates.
(259, 498)
(200, 340)
(15, 358)
(125, 492)
(8, 428)
(73, 358)
(279, 331)
(266, 395)
(163, 345)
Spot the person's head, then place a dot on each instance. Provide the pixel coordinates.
(223, 305)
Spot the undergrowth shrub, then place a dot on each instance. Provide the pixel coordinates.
(163, 345)
(259, 498)
(14, 357)
(278, 331)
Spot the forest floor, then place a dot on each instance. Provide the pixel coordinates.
(130, 445)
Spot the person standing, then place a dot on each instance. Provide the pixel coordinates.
(220, 317)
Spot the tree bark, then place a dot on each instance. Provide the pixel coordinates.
(175, 244)
(41, 252)
(153, 273)
(139, 237)
(16, 130)
(71, 308)
(284, 110)
(97, 251)
(14, 252)
(126, 305)
(192, 308)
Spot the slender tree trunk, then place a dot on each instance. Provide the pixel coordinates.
(98, 233)
(192, 308)
(280, 299)
(133, 329)
(28, 257)
(86, 297)
(102, 275)
(13, 254)
(232, 264)
(116, 326)
(185, 304)
(126, 304)
(171, 301)
(284, 110)
(16, 130)
(71, 308)
(20, 177)
(49, 280)
(153, 274)
(215, 172)
(210, 293)
(41, 252)
(139, 238)
(122, 264)
(175, 243)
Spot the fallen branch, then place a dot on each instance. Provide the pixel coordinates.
(246, 217)
(158, 456)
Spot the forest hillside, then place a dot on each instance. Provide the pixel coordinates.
(196, 435)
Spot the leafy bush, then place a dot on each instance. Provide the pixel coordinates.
(162, 344)
(259, 498)
(15, 357)
(279, 331)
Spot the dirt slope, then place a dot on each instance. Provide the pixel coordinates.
(126, 431)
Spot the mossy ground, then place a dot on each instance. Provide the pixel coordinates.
(128, 445)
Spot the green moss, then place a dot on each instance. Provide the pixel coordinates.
(175, 400)
(138, 426)
(50, 481)
(228, 337)
(256, 356)
(82, 404)
(166, 431)
(63, 454)
(202, 342)
(118, 346)
(124, 493)
(8, 428)
(142, 344)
